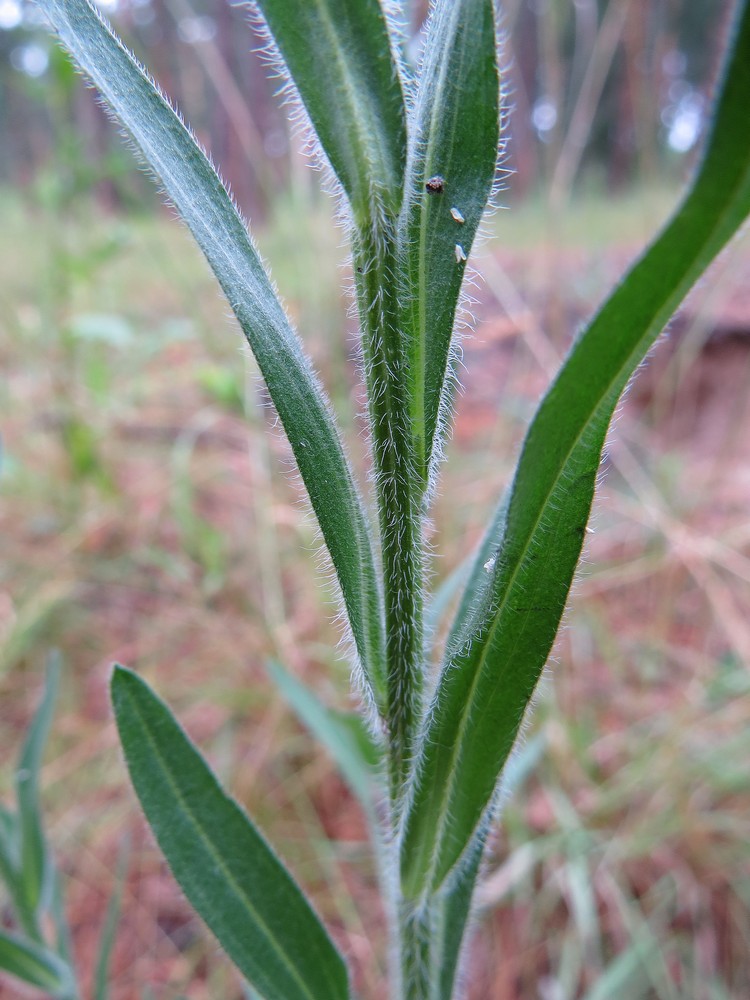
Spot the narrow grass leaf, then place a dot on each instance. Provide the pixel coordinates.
(444, 595)
(7, 822)
(8, 844)
(34, 964)
(227, 870)
(35, 868)
(193, 186)
(109, 930)
(486, 687)
(624, 976)
(340, 58)
(343, 734)
(453, 148)
(63, 938)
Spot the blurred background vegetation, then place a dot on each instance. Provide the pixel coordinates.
(143, 516)
(607, 90)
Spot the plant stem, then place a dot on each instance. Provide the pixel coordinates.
(420, 972)
(398, 491)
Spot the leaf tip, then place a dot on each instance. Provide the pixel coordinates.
(123, 680)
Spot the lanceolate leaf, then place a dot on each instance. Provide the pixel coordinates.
(226, 869)
(451, 168)
(486, 688)
(339, 55)
(194, 187)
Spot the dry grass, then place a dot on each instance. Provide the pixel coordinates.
(147, 516)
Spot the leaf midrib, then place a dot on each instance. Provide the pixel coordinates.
(355, 103)
(217, 857)
(487, 641)
(422, 298)
(239, 281)
(224, 238)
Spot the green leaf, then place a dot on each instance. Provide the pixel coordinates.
(453, 136)
(452, 915)
(340, 58)
(36, 965)
(452, 906)
(485, 689)
(479, 581)
(226, 869)
(194, 187)
(343, 734)
(35, 868)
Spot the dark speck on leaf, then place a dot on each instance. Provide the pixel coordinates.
(435, 185)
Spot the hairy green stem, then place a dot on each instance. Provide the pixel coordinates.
(398, 491)
(431, 934)
(419, 978)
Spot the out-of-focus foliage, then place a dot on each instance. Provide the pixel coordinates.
(627, 81)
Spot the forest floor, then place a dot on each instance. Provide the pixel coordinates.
(147, 517)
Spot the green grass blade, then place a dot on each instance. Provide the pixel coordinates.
(485, 690)
(625, 975)
(109, 930)
(7, 822)
(63, 940)
(196, 190)
(226, 869)
(454, 135)
(8, 845)
(340, 58)
(34, 964)
(35, 869)
(444, 595)
(343, 734)
(10, 872)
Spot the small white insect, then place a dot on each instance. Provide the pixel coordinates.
(490, 564)
(457, 216)
(460, 255)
